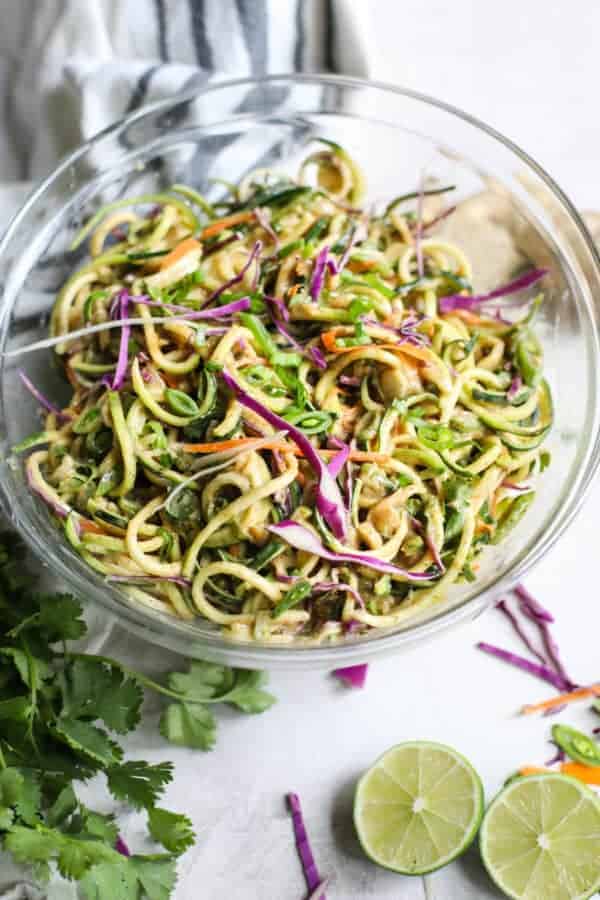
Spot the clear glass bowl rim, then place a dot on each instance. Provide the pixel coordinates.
(174, 635)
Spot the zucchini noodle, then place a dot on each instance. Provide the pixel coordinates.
(210, 347)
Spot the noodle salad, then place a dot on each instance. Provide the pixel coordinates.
(290, 416)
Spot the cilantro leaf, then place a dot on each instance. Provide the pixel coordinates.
(94, 690)
(31, 670)
(92, 742)
(209, 683)
(172, 830)
(11, 786)
(32, 847)
(7, 817)
(157, 875)
(99, 825)
(189, 726)
(18, 709)
(60, 617)
(202, 682)
(110, 881)
(63, 807)
(139, 783)
(247, 693)
(29, 801)
(75, 857)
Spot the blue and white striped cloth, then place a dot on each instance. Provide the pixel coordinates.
(70, 67)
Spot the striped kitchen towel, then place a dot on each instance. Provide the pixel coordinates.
(70, 67)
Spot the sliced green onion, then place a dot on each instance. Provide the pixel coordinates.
(181, 404)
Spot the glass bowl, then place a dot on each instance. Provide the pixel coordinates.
(510, 212)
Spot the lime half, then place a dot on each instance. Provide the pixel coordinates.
(418, 808)
(540, 839)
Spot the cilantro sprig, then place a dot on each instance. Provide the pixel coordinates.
(61, 713)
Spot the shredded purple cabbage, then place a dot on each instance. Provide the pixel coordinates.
(515, 386)
(357, 234)
(458, 301)
(354, 676)
(503, 607)
(236, 280)
(436, 221)
(220, 245)
(558, 757)
(323, 586)
(43, 400)
(318, 275)
(542, 618)
(278, 306)
(435, 554)
(218, 312)
(337, 463)
(121, 847)
(406, 332)
(540, 671)
(318, 358)
(528, 601)
(520, 488)
(329, 499)
(265, 224)
(61, 510)
(309, 866)
(314, 353)
(302, 538)
(120, 373)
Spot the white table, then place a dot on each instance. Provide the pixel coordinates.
(528, 69)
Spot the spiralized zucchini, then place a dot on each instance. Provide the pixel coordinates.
(329, 317)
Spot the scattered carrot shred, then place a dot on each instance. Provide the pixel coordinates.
(362, 265)
(562, 699)
(90, 527)
(227, 222)
(171, 380)
(180, 250)
(469, 317)
(278, 444)
(587, 774)
(533, 770)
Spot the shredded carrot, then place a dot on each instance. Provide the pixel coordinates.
(278, 444)
(179, 251)
(227, 222)
(171, 380)
(481, 527)
(90, 527)
(234, 443)
(562, 699)
(587, 774)
(533, 770)
(469, 317)
(71, 377)
(362, 265)
(329, 341)
(293, 290)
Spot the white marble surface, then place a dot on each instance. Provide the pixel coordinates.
(529, 69)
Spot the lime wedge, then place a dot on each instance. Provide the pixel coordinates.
(418, 808)
(540, 839)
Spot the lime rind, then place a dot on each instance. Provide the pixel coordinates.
(437, 832)
(516, 839)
